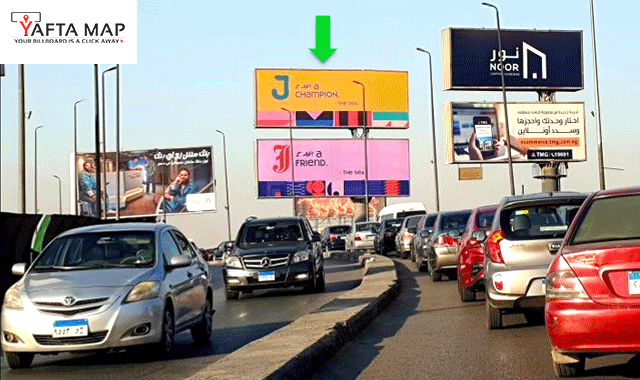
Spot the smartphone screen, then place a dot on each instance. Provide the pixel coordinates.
(484, 135)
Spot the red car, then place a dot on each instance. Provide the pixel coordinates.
(471, 256)
(593, 284)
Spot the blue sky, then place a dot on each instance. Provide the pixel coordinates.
(195, 74)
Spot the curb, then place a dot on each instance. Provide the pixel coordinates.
(292, 351)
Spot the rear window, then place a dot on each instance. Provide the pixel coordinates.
(339, 229)
(393, 223)
(610, 219)
(431, 220)
(403, 214)
(484, 219)
(456, 221)
(412, 222)
(367, 227)
(537, 222)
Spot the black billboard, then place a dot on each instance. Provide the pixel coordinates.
(533, 60)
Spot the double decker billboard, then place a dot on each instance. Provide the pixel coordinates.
(319, 168)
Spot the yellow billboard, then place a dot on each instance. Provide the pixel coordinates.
(331, 98)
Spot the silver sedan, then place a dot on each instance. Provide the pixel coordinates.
(104, 287)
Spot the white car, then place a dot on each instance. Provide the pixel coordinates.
(362, 236)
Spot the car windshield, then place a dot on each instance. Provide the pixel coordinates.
(98, 250)
(537, 222)
(484, 219)
(341, 230)
(610, 219)
(366, 227)
(271, 232)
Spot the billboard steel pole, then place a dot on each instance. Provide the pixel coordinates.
(75, 153)
(35, 170)
(293, 161)
(595, 73)
(59, 194)
(118, 143)
(96, 79)
(433, 133)
(22, 143)
(366, 159)
(104, 144)
(504, 98)
(226, 183)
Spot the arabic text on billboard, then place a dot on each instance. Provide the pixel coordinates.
(151, 182)
(331, 99)
(332, 167)
(539, 132)
(532, 60)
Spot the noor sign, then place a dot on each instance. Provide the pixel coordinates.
(152, 182)
(332, 167)
(532, 59)
(331, 99)
(539, 132)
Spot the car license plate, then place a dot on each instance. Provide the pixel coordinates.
(634, 282)
(267, 276)
(72, 327)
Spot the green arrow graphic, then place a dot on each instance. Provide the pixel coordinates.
(323, 38)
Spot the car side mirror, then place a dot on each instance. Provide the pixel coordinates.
(179, 262)
(480, 236)
(315, 237)
(425, 233)
(18, 269)
(229, 245)
(454, 233)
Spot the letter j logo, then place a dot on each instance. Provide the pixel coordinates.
(285, 94)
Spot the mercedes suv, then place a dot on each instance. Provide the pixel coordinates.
(274, 253)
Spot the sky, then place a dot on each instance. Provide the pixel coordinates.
(195, 74)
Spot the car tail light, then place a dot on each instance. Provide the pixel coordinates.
(446, 240)
(406, 236)
(493, 247)
(332, 237)
(562, 282)
(357, 238)
(497, 281)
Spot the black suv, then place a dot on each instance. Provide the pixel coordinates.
(274, 253)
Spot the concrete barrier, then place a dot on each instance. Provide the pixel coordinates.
(292, 351)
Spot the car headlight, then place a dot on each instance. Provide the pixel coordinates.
(300, 256)
(233, 262)
(143, 291)
(12, 299)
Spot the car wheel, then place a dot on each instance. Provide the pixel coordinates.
(413, 257)
(201, 333)
(494, 317)
(320, 284)
(467, 295)
(569, 369)
(311, 286)
(164, 347)
(436, 276)
(19, 359)
(534, 318)
(403, 254)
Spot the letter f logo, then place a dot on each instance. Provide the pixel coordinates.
(283, 158)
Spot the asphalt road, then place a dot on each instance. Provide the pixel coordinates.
(428, 333)
(236, 323)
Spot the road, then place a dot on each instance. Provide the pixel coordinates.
(236, 323)
(428, 333)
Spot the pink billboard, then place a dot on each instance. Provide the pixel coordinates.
(332, 167)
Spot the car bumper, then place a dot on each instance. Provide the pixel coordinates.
(520, 288)
(298, 274)
(445, 258)
(584, 326)
(404, 246)
(111, 328)
(363, 244)
(336, 245)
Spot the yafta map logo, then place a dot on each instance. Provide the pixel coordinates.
(36, 31)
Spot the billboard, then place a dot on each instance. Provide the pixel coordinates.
(332, 167)
(533, 60)
(331, 99)
(152, 182)
(476, 132)
(334, 207)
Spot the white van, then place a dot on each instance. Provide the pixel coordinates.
(401, 210)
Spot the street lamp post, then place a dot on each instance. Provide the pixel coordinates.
(118, 143)
(293, 160)
(504, 99)
(35, 170)
(75, 152)
(59, 194)
(104, 144)
(433, 133)
(595, 73)
(366, 159)
(226, 183)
